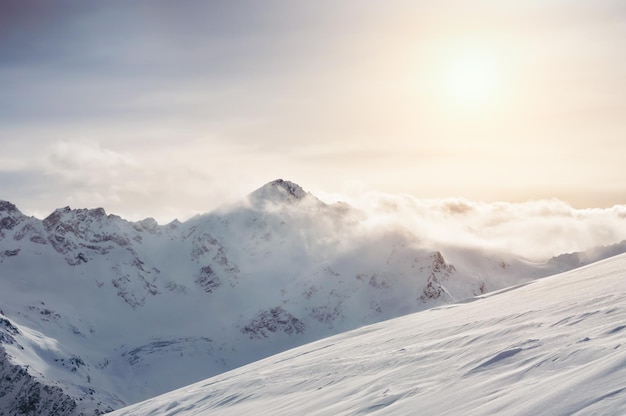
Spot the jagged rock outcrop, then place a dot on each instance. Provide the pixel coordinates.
(279, 192)
(273, 320)
(440, 271)
(208, 280)
(22, 394)
(10, 217)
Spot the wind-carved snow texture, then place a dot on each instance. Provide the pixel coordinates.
(113, 312)
(551, 347)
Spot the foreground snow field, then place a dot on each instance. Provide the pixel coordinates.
(555, 346)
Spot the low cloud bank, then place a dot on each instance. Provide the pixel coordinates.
(536, 230)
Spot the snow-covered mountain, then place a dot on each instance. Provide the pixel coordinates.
(551, 347)
(97, 312)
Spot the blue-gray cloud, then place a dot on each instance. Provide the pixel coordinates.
(98, 60)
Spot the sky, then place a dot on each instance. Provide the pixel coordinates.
(167, 109)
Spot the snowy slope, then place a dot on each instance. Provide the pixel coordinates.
(112, 312)
(554, 346)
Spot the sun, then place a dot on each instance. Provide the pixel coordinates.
(470, 79)
(467, 79)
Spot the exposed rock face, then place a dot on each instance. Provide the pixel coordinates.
(277, 192)
(23, 394)
(326, 314)
(208, 280)
(440, 271)
(10, 217)
(290, 188)
(273, 320)
(7, 332)
(7, 207)
(140, 354)
(74, 233)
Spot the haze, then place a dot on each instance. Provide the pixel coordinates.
(153, 108)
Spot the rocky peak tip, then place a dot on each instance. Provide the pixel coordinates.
(278, 190)
(292, 188)
(8, 207)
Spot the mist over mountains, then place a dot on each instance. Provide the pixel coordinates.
(98, 312)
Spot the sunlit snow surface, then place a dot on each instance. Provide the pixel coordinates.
(555, 346)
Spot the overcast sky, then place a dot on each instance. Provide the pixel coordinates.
(166, 109)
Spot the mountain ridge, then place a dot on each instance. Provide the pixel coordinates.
(137, 300)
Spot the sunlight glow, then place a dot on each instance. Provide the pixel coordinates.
(470, 79)
(465, 78)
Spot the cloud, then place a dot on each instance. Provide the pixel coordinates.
(536, 230)
(307, 92)
(155, 179)
(88, 161)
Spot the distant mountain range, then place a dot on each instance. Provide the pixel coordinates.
(97, 312)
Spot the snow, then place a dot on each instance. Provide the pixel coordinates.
(115, 312)
(553, 346)
(278, 192)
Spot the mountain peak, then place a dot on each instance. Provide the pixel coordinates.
(9, 216)
(6, 206)
(278, 190)
(293, 189)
